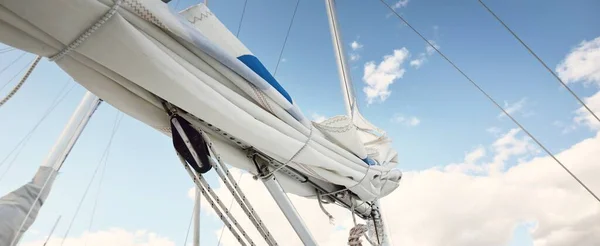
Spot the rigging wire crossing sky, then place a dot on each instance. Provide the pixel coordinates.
(471, 177)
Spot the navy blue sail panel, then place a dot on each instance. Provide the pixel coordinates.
(253, 63)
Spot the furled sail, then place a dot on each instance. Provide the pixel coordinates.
(146, 53)
(19, 208)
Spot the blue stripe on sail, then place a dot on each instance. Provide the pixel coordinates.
(370, 161)
(253, 63)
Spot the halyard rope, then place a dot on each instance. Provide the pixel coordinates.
(87, 33)
(237, 193)
(18, 86)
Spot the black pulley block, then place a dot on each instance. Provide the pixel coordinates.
(197, 142)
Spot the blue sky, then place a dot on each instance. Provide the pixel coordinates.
(433, 114)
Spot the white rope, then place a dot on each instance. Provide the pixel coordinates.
(357, 228)
(237, 193)
(18, 86)
(239, 180)
(212, 199)
(87, 33)
(331, 219)
(291, 159)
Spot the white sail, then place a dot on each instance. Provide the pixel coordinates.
(146, 53)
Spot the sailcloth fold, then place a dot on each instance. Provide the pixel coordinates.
(146, 53)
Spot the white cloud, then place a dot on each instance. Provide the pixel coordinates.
(407, 121)
(354, 57)
(112, 236)
(283, 60)
(514, 107)
(422, 57)
(400, 4)
(583, 117)
(582, 64)
(318, 118)
(475, 155)
(378, 77)
(355, 45)
(493, 130)
(450, 207)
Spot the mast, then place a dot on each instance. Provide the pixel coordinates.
(72, 131)
(338, 46)
(376, 228)
(197, 201)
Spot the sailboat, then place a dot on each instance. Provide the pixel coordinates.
(187, 76)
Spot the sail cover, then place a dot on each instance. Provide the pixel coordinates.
(147, 53)
(18, 209)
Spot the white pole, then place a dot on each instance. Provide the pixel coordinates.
(288, 210)
(346, 82)
(197, 203)
(72, 131)
(338, 47)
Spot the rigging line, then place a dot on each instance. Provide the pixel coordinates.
(7, 50)
(187, 234)
(493, 101)
(13, 62)
(15, 157)
(241, 19)
(286, 37)
(105, 164)
(52, 230)
(57, 100)
(14, 76)
(106, 151)
(539, 60)
(230, 204)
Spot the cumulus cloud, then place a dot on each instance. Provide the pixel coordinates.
(356, 47)
(400, 4)
(584, 117)
(112, 236)
(406, 120)
(494, 130)
(450, 207)
(582, 64)
(379, 77)
(422, 57)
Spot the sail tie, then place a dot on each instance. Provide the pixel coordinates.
(262, 176)
(73, 45)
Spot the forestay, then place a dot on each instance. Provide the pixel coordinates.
(146, 53)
